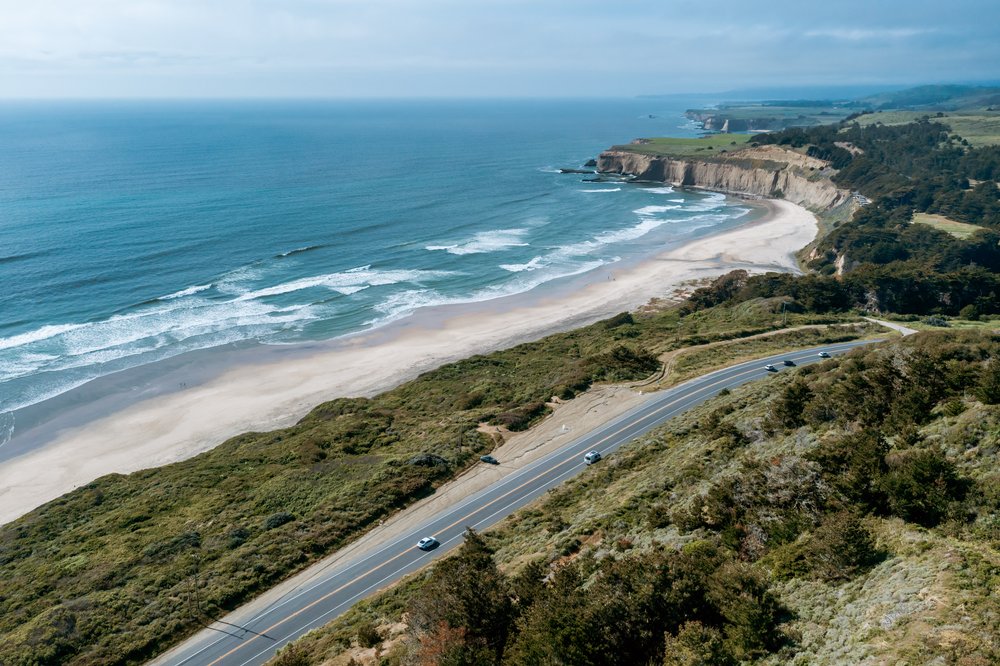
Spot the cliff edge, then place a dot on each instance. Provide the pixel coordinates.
(765, 171)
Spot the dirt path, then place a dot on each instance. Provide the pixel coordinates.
(904, 330)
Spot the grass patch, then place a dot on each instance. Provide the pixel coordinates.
(714, 144)
(960, 230)
(979, 128)
(695, 362)
(986, 324)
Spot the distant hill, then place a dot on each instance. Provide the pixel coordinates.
(936, 98)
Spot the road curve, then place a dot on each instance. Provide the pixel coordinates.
(241, 641)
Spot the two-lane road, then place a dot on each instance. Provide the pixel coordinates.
(246, 638)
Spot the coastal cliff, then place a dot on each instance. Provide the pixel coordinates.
(798, 179)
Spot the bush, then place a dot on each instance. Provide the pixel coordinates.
(622, 319)
(989, 384)
(840, 549)
(969, 312)
(368, 635)
(277, 520)
(521, 418)
(695, 645)
(293, 655)
(788, 410)
(624, 363)
(921, 486)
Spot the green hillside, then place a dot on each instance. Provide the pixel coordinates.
(837, 514)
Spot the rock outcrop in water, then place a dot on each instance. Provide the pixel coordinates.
(741, 173)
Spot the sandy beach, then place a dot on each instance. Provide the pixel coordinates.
(264, 396)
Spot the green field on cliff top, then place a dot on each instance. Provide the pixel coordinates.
(712, 144)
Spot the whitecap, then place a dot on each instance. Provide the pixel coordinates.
(659, 190)
(186, 292)
(346, 282)
(37, 335)
(532, 265)
(653, 210)
(484, 241)
(613, 189)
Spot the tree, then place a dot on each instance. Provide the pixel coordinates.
(989, 383)
(466, 592)
(749, 609)
(556, 628)
(921, 484)
(788, 408)
(695, 645)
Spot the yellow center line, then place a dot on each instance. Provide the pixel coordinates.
(478, 509)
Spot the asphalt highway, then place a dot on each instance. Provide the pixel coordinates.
(241, 641)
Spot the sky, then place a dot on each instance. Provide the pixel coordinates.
(484, 48)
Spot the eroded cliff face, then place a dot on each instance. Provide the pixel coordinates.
(734, 175)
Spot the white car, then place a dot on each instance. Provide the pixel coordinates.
(592, 457)
(824, 354)
(770, 368)
(428, 543)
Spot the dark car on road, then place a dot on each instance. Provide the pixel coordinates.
(789, 362)
(489, 459)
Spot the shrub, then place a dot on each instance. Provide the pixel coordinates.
(293, 655)
(989, 384)
(969, 312)
(839, 549)
(368, 635)
(695, 645)
(623, 363)
(622, 319)
(522, 417)
(788, 410)
(277, 520)
(920, 486)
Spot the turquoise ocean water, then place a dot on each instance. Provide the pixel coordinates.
(131, 232)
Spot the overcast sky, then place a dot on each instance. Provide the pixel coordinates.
(484, 48)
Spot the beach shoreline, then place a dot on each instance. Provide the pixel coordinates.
(273, 389)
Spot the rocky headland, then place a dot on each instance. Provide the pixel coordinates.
(764, 171)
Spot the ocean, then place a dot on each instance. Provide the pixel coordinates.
(131, 232)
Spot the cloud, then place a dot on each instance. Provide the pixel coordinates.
(482, 48)
(867, 34)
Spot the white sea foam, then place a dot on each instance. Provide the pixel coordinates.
(711, 201)
(532, 265)
(646, 211)
(39, 334)
(603, 189)
(190, 291)
(485, 241)
(666, 189)
(6, 428)
(401, 304)
(347, 282)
